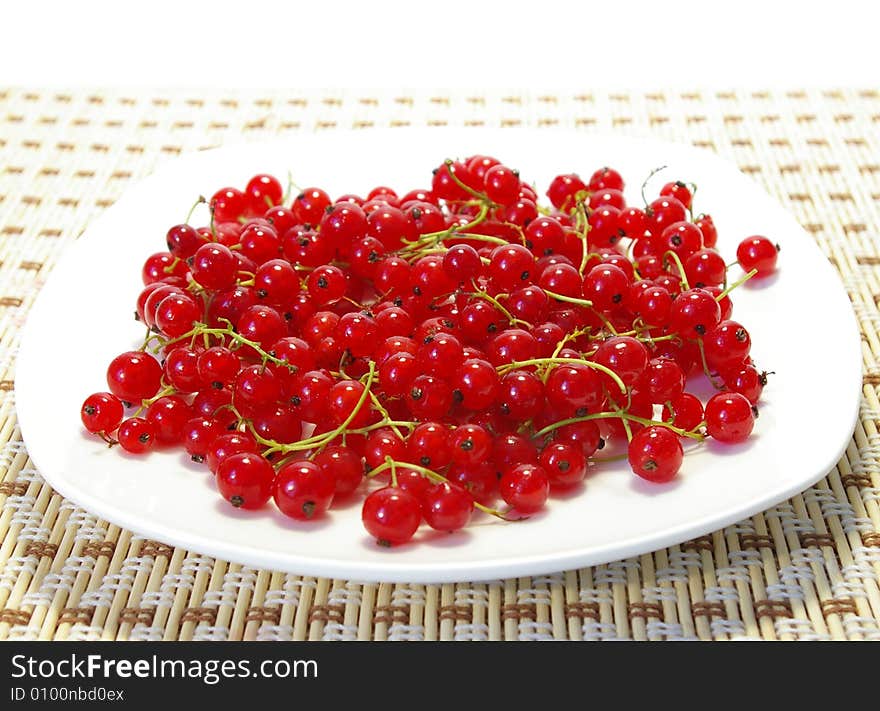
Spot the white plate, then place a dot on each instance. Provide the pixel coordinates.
(802, 326)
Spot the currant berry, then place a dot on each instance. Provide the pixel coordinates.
(309, 206)
(228, 444)
(476, 384)
(525, 487)
(727, 345)
(757, 253)
(176, 315)
(136, 435)
(564, 463)
(574, 390)
(134, 376)
(428, 446)
(684, 412)
(694, 313)
(747, 381)
(606, 286)
(326, 285)
(565, 191)
(245, 480)
(521, 396)
(605, 179)
(391, 515)
(199, 433)
(510, 266)
(678, 190)
(655, 454)
(303, 490)
(429, 398)
(101, 413)
(729, 417)
(501, 184)
(626, 356)
(228, 204)
(447, 507)
(263, 192)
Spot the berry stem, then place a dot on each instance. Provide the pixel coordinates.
(677, 260)
(322, 440)
(507, 367)
(647, 180)
(705, 365)
(624, 416)
(168, 390)
(429, 239)
(467, 188)
(392, 464)
(738, 282)
(584, 232)
(514, 321)
(569, 299)
(200, 201)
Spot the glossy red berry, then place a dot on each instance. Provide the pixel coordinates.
(757, 253)
(565, 191)
(694, 313)
(574, 390)
(134, 376)
(391, 515)
(625, 355)
(606, 286)
(564, 463)
(525, 487)
(475, 384)
(447, 507)
(655, 454)
(309, 206)
(263, 192)
(686, 412)
(678, 190)
(344, 467)
(303, 490)
(729, 417)
(136, 435)
(228, 444)
(214, 267)
(101, 412)
(169, 416)
(228, 204)
(501, 184)
(245, 480)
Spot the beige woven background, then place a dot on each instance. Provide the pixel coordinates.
(807, 569)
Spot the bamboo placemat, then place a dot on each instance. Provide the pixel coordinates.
(806, 569)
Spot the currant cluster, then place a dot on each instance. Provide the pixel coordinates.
(437, 350)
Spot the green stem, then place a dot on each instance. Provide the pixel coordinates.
(503, 369)
(738, 282)
(645, 184)
(569, 299)
(200, 201)
(624, 416)
(432, 238)
(322, 440)
(149, 401)
(514, 321)
(677, 260)
(393, 464)
(201, 329)
(585, 257)
(455, 179)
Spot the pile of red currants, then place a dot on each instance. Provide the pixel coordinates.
(436, 351)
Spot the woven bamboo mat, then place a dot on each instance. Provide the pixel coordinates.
(806, 569)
